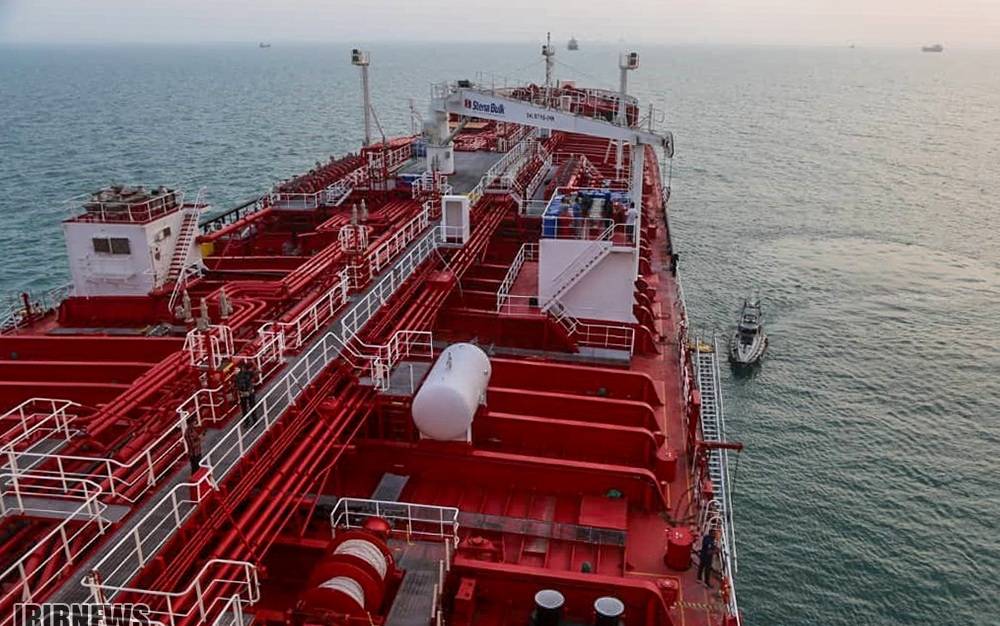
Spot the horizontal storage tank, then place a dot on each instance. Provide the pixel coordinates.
(446, 402)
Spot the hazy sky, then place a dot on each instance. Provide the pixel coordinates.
(865, 22)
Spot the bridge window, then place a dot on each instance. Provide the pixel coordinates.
(112, 245)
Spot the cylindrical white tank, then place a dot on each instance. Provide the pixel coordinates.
(447, 401)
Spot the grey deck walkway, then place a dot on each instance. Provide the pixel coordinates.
(469, 169)
(415, 598)
(58, 508)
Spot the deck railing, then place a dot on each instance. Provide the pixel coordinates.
(296, 333)
(126, 558)
(387, 250)
(48, 496)
(247, 432)
(34, 573)
(15, 313)
(378, 361)
(621, 234)
(418, 521)
(605, 336)
(126, 480)
(361, 313)
(220, 219)
(232, 613)
(428, 183)
(151, 208)
(212, 593)
(718, 511)
(527, 252)
(512, 160)
(35, 419)
(209, 347)
(390, 160)
(205, 406)
(533, 208)
(539, 176)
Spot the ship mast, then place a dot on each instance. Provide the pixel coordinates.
(549, 53)
(627, 61)
(362, 60)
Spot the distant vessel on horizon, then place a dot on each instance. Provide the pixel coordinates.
(573, 44)
(264, 45)
(935, 48)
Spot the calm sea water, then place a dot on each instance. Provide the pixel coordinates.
(855, 189)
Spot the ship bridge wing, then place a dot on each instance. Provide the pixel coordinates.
(487, 104)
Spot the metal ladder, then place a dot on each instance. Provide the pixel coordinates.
(580, 266)
(182, 248)
(713, 425)
(563, 317)
(711, 408)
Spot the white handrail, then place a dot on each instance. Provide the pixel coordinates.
(380, 360)
(410, 519)
(140, 473)
(384, 254)
(214, 342)
(115, 211)
(361, 313)
(246, 433)
(21, 581)
(599, 247)
(296, 332)
(513, 159)
(186, 238)
(175, 507)
(168, 515)
(199, 598)
(539, 177)
(591, 334)
(204, 406)
(16, 314)
(710, 383)
(527, 252)
(54, 419)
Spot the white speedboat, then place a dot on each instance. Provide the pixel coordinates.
(749, 341)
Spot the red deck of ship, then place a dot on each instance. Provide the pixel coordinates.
(565, 441)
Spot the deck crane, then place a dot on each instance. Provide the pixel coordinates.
(467, 100)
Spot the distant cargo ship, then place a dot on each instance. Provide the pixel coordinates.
(264, 45)
(573, 44)
(935, 48)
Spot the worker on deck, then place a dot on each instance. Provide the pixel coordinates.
(245, 388)
(192, 438)
(706, 555)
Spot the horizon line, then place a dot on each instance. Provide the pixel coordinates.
(595, 42)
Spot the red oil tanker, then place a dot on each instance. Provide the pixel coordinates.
(445, 380)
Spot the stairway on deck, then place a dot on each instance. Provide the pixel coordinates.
(182, 249)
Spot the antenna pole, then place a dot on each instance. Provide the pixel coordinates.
(362, 60)
(627, 61)
(549, 53)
